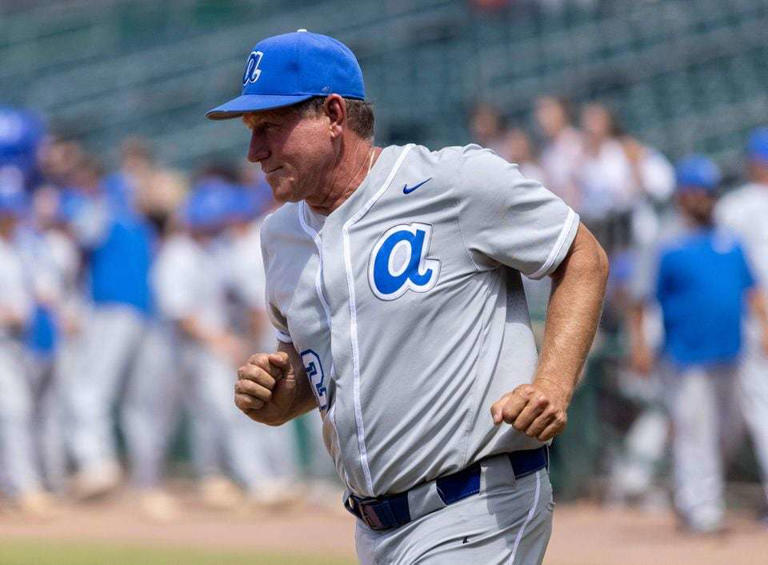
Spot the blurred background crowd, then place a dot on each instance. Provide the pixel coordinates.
(129, 247)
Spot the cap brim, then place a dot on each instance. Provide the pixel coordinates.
(253, 103)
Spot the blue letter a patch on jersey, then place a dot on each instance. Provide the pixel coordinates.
(399, 262)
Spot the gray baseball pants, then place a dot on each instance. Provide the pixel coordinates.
(509, 522)
(753, 395)
(703, 405)
(221, 434)
(119, 344)
(18, 471)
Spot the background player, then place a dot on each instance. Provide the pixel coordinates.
(122, 369)
(702, 316)
(20, 475)
(374, 235)
(745, 211)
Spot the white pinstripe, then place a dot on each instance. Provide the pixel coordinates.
(311, 232)
(353, 317)
(528, 518)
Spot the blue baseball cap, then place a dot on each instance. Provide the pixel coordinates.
(697, 171)
(209, 205)
(12, 202)
(244, 204)
(757, 146)
(287, 69)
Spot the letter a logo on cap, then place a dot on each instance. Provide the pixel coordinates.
(252, 70)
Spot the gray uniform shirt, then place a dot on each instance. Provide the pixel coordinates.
(407, 308)
(745, 211)
(15, 294)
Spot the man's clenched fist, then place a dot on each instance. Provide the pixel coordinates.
(538, 410)
(266, 387)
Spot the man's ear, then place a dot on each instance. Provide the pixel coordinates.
(336, 109)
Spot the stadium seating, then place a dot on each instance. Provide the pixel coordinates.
(682, 77)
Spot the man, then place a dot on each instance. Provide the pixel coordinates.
(194, 308)
(19, 472)
(745, 211)
(393, 279)
(52, 261)
(122, 369)
(561, 149)
(702, 316)
(275, 447)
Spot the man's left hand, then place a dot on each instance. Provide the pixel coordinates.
(538, 409)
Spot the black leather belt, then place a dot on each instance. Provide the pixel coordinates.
(388, 512)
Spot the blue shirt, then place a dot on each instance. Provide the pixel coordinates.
(119, 265)
(42, 333)
(701, 283)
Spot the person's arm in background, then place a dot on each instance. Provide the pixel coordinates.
(641, 357)
(226, 344)
(578, 286)
(644, 286)
(272, 388)
(759, 308)
(756, 298)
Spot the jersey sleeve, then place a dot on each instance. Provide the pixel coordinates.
(249, 278)
(727, 212)
(747, 275)
(506, 218)
(276, 316)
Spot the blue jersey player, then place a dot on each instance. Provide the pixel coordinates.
(703, 283)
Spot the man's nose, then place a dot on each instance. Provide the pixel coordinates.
(257, 149)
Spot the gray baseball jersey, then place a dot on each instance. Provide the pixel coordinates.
(406, 306)
(16, 297)
(180, 290)
(744, 211)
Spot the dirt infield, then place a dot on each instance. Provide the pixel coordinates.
(584, 534)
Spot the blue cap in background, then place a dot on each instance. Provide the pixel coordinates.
(287, 69)
(757, 146)
(209, 206)
(245, 204)
(12, 203)
(697, 171)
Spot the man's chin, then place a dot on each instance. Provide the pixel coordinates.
(283, 195)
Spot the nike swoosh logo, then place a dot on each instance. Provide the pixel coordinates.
(408, 189)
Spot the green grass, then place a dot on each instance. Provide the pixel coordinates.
(41, 552)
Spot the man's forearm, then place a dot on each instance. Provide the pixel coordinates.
(757, 304)
(578, 288)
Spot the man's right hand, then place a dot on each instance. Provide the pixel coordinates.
(266, 388)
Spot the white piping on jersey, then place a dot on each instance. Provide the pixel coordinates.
(567, 226)
(283, 337)
(311, 232)
(353, 316)
(528, 518)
